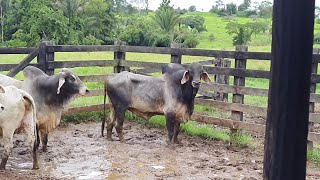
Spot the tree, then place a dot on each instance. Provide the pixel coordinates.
(99, 20)
(265, 9)
(242, 32)
(167, 19)
(192, 8)
(231, 9)
(140, 4)
(219, 4)
(194, 22)
(165, 4)
(245, 5)
(243, 37)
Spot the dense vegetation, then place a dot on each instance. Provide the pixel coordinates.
(26, 22)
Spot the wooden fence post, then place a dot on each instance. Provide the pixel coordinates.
(241, 63)
(49, 58)
(176, 56)
(222, 79)
(44, 57)
(41, 59)
(119, 55)
(314, 70)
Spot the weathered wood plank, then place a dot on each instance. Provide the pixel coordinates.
(91, 108)
(81, 48)
(314, 117)
(245, 90)
(144, 49)
(94, 78)
(142, 64)
(71, 64)
(232, 106)
(238, 72)
(313, 136)
(16, 50)
(8, 67)
(24, 63)
(234, 89)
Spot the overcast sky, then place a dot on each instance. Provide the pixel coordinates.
(202, 5)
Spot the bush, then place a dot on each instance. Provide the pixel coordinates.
(194, 22)
(161, 40)
(91, 40)
(211, 37)
(243, 37)
(191, 41)
(137, 31)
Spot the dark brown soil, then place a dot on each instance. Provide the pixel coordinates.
(78, 152)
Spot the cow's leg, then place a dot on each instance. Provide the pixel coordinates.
(176, 132)
(8, 146)
(119, 117)
(30, 130)
(44, 140)
(110, 125)
(170, 120)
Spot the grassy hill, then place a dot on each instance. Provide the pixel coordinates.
(216, 26)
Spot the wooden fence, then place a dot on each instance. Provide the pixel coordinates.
(45, 54)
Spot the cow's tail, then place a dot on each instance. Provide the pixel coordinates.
(103, 123)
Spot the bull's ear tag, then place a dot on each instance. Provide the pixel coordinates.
(1, 90)
(62, 80)
(205, 76)
(185, 77)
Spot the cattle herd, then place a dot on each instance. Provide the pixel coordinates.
(35, 104)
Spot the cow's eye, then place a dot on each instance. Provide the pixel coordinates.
(72, 79)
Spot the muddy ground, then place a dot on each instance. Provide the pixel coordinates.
(78, 152)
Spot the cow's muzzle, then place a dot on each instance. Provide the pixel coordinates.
(196, 84)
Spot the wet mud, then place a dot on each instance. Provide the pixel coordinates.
(79, 152)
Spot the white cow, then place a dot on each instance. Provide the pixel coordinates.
(19, 112)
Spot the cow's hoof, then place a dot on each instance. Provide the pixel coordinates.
(35, 167)
(2, 168)
(178, 142)
(109, 138)
(169, 143)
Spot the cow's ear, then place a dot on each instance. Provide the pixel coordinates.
(205, 76)
(1, 90)
(185, 77)
(62, 80)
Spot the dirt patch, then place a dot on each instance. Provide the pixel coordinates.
(78, 152)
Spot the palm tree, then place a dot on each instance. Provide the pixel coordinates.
(167, 19)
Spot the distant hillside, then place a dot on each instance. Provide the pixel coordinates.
(216, 26)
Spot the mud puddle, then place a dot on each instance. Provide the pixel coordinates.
(78, 152)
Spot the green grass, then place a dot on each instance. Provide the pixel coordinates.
(82, 117)
(193, 128)
(314, 156)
